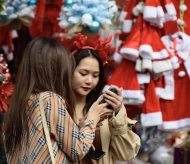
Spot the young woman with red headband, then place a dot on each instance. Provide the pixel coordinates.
(87, 83)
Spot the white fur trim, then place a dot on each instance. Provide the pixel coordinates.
(14, 34)
(117, 57)
(161, 66)
(127, 25)
(184, 54)
(5, 48)
(106, 87)
(170, 17)
(134, 94)
(170, 9)
(175, 65)
(131, 101)
(138, 65)
(177, 124)
(160, 12)
(187, 66)
(140, 7)
(160, 54)
(145, 51)
(10, 56)
(143, 78)
(146, 64)
(151, 119)
(149, 12)
(129, 53)
(157, 22)
(135, 11)
(122, 16)
(167, 93)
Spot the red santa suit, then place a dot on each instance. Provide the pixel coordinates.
(176, 113)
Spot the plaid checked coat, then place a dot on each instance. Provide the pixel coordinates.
(69, 143)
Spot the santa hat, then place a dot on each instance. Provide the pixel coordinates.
(125, 77)
(151, 113)
(128, 21)
(154, 50)
(154, 13)
(130, 49)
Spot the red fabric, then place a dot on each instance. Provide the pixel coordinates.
(129, 8)
(170, 27)
(121, 2)
(150, 3)
(125, 76)
(5, 93)
(68, 43)
(133, 111)
(179, 107)
(151, 103)
(45, 22)
(6, 38)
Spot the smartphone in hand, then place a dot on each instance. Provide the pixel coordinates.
(103, 101)
(95, 154)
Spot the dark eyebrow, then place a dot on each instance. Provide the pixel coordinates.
(88, 70)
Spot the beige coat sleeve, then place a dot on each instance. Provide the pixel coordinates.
(124, 143)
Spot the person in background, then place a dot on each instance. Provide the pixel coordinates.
(88, 82)
(46, 68)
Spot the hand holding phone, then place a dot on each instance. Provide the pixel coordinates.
(103, 101)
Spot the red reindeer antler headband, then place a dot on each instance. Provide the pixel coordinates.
(102, 47)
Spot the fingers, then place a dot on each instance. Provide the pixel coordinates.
(119, 90)
(115, 100)
(99, 99)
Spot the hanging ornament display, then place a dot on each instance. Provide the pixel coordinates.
(18, 12)
(6, 87)
(77, 15)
